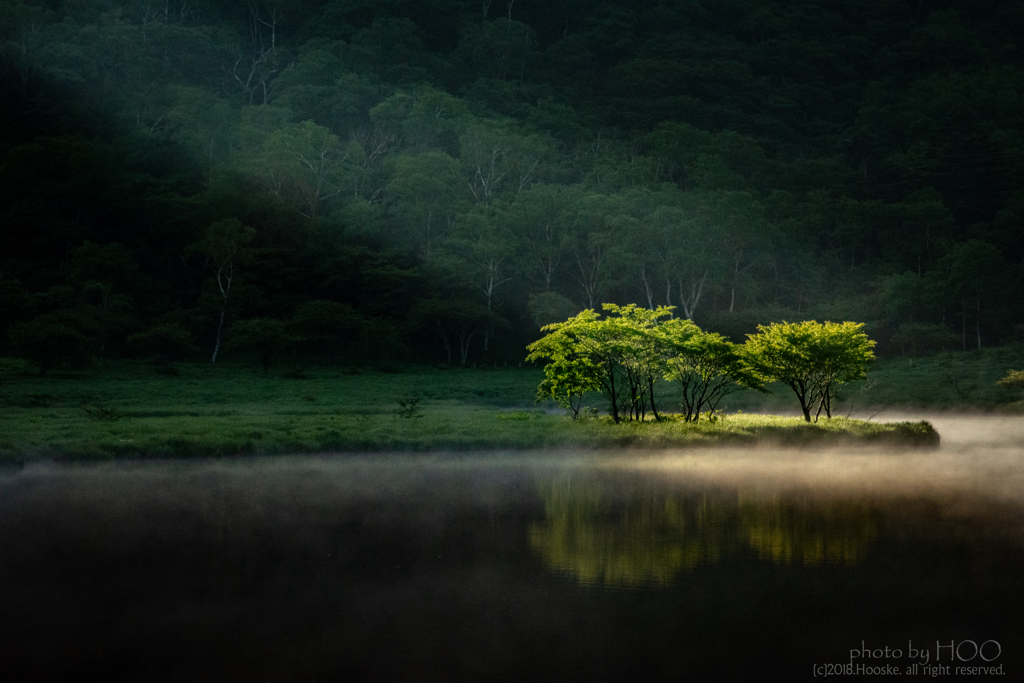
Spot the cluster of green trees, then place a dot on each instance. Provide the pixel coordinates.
(1014, 379)
(626, 354)
(446, 176)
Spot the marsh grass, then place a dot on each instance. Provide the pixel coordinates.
(948, 381)
(227, 411)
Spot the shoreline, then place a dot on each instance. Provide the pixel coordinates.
(438, 431)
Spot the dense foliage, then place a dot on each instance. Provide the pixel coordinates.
(811, 358)
(438, 179)
(1014, 378)
(627, 353)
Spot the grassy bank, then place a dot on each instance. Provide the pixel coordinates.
(131, 410)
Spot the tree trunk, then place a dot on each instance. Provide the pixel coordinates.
(801, 393)
(443, 334)
(465, 337)
(612, 394)
(654, 407)
(735, 280)
(589, 274)
(690, 302)
(220, 327)
(647, 288)
(977, 320)
(963, 327)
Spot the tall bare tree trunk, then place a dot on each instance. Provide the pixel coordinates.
(963, 327)
(225, 274)
(220, 328)
(647, 287)
(977, 320)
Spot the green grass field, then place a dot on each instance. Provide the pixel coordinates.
(131, 409)
(943, 382)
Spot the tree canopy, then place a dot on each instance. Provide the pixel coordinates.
(626, 354)
(742, 162)
(811, 358)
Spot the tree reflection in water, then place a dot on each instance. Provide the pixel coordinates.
(790, 531)
(598, 537)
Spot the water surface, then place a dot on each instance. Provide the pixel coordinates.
(698, 564)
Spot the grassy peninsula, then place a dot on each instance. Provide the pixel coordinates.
(128, 410)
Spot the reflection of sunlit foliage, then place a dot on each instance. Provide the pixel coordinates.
(649, 537)
(645, 540)
(785, 532)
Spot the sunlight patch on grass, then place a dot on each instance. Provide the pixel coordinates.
(227, 411)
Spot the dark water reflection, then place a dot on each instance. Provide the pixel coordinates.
(492, 568)
(598, 537)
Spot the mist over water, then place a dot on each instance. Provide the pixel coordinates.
(608, 566)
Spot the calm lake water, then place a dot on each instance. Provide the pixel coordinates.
(679, 565)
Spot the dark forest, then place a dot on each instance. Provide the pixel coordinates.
(370, 182)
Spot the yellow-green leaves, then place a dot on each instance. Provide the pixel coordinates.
(627, 353)
(705, 366)
(575, 368)
(812, 358)
(1014, 378)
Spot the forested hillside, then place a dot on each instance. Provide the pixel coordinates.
(365, 181)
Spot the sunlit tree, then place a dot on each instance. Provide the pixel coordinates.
(705, 367)
(811, 358)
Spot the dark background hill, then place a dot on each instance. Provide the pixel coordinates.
(433, 180)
